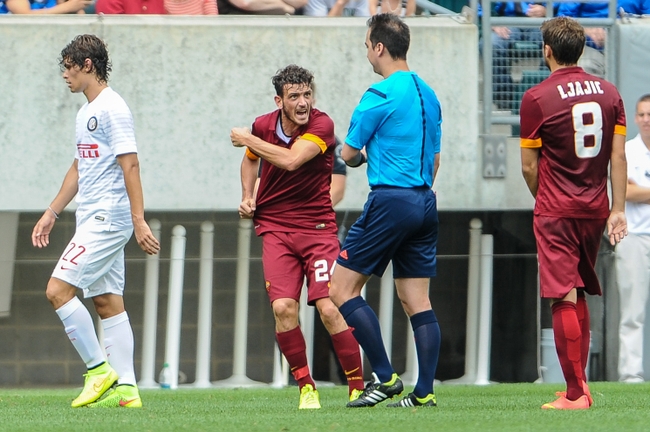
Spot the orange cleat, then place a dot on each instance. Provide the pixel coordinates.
(563, 403)
(585, 389)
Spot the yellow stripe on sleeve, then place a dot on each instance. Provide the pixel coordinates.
(530, 143)
(316, 140)
(250, 155)
(620, 130)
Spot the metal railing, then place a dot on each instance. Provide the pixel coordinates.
(488, 22)
(433, 8)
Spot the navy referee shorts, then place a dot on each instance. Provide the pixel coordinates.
(398, 224)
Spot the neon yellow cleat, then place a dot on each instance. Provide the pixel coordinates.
(309, 398)
(354, 395)
(123, 396)
(97, 382)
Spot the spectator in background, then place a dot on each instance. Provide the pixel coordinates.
(130, 7)
(636, 7)
(503, 41)
(395, 7)
(593, 59)
(633, 255)
(261, 7)
(43, 6)
(191, 7)
(337, 8)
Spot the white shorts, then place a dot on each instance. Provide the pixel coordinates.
(94, 262)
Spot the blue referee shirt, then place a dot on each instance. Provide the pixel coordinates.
(398, 121)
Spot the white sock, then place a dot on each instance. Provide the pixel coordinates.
(81, 331)
(118, 343)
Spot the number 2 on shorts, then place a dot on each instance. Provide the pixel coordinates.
(320, 271)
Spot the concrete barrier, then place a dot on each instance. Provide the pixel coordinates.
(188, 80)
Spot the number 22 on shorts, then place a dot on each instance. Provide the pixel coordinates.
(70, 256)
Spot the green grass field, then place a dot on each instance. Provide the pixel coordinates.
(499, 407)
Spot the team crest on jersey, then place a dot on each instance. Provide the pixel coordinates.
(268, 285)
(92, 123)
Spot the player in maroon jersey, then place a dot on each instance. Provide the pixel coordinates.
(292, 212)
(572, 128)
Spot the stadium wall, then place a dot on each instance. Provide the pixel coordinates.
(188, 80)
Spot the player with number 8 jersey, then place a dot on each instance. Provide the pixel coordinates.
(572, 117)
(572, 130)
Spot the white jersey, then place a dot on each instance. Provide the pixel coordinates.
(322, 8)
(104, 131)
(638, 170)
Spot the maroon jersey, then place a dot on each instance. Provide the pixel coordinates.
(572, 117)
(296, 201)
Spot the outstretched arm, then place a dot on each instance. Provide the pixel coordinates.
(42, 229)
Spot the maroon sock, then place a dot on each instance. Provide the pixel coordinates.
(566, 330)
(292, 345)
(583, 319)
(347, 350)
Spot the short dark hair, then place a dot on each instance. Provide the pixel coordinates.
(290, 75)
(644, 98)
(91, 47)
(392, 32)
(566, 37)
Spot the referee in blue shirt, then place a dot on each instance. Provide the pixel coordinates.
(396, 130)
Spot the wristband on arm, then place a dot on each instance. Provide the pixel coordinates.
(356, 161)
(56, 215)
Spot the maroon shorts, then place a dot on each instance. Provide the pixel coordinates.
(289, 258)
(567, 250)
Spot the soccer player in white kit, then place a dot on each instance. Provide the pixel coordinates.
(105, 178)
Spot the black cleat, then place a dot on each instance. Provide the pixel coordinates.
(376, 392)
(410, 400)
